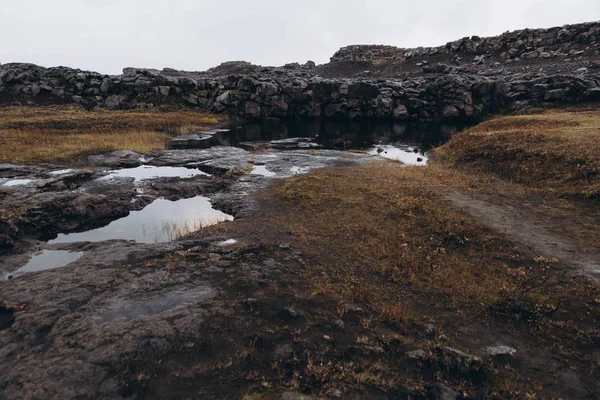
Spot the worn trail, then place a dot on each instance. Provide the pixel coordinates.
(529, 230)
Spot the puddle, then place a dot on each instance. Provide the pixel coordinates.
(130, 309)
(151, 172)
(262, 170)
(17, 182)
(299, 170)
(161, 221)
(399, 152)
(229, 242)
(47, 259)
(60, 172)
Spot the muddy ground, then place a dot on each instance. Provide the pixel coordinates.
(211, 317)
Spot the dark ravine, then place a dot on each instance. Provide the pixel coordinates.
(467, 78)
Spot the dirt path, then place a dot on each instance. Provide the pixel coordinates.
(529, 230)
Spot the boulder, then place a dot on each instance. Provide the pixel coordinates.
(114, 102)
(450, 112)
(400, 111)
(252, 110)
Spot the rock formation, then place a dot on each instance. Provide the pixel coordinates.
(466, 78)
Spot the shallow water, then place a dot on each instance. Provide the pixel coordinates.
(161, 221)
(151, 172)
(228, 242)
(47, 259)
(60, 172)
(262, 170)
(17, 182)
(400, 152)
(299, 170)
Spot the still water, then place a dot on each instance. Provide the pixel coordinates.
(161, 221)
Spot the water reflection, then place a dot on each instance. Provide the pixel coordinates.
(161, 221)
(151, 172)
(47, 259)
(343, 135)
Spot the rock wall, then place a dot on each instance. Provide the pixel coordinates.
(527, 43)
(295, 91)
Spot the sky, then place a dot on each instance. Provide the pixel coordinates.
(194, 35)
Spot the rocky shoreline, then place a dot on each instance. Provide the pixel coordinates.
(468, 78)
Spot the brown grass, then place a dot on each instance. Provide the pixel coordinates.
(555, 150)
(407, 235)
(383, 237)
(59, 133)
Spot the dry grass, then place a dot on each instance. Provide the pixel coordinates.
(382, 236)
(407, 236)
(555, 150)
(59, 133)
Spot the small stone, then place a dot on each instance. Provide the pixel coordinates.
(500, 350)
(284, 352)
(291, 312)
(250, 302)
(349, 307)
(417, 354)
(294, 396)
(339, 324)
(441, 392)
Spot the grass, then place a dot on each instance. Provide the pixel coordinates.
(60, 133)
(410, 257)
(407, 235)
(172, 230)
(555, 150)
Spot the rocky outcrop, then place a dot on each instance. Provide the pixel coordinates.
(433, 91)
(528, 44)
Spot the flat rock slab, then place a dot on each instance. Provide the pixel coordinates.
(195, 141)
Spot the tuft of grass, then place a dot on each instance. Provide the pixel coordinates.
(555, 150)
(59, 133)
(172, 230)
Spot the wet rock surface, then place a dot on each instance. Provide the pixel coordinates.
(83, 199)
(82, 315)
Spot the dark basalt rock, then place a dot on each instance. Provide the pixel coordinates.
(488, 75)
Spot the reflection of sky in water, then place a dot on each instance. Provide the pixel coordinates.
(401, 153)
(60, 172)
(150, 172)
(158, 222)
(262, 170)
(47, 259)
(299, 170)
(17, 182)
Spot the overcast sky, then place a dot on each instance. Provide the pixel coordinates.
(107, 35)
